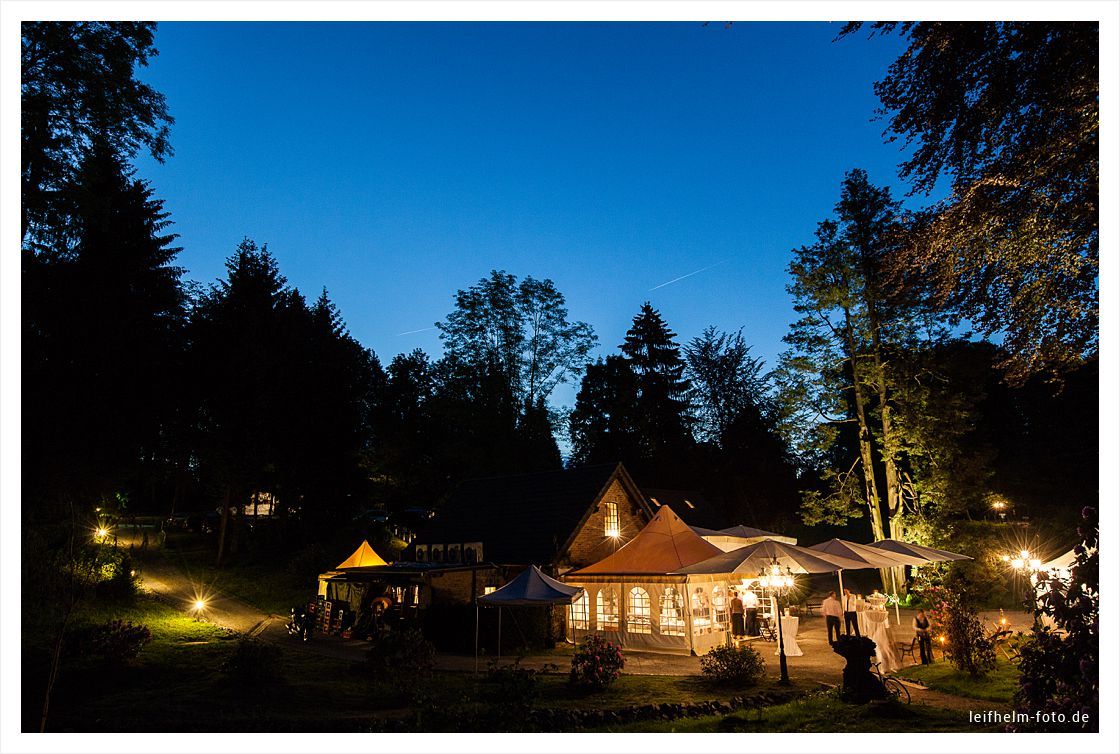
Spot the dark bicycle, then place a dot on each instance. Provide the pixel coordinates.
(895, 688)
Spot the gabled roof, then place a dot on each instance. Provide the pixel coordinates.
(663, 546)
(527, 518)
(363, 557)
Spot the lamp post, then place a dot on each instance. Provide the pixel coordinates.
(1024, 564)
(778, 582)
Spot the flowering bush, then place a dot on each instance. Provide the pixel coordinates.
(733, 666)
(969, 648)
(1059, 685)
(596, 664)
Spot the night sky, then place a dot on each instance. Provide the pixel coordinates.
(395, 163)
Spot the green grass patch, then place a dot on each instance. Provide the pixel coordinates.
(264, 583)
(819, 713)
(997, 686)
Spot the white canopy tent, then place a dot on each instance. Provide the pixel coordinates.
(734, 537)
(914, 555)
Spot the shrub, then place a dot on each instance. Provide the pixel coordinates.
(732, 666)
(405, 653)
(968, 647)
(254, 661)
(115, 641)
(596, 664)
(1060, 674)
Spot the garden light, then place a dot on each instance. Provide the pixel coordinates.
(199, 605)
(1023, 554)
(1017, 563)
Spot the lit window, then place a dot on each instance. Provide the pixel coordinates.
(672, 613)
(580, 615)
(489, 589)
(610, 520)
(606, 609)
(701, 612)
(637, 612)
(720, 605)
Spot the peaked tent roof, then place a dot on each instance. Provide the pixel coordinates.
(363, 557)
(918, 554)
(665, 544)
(875, 556)
(527, 518)
(756, 558)
(532, 587)
(1064, 561)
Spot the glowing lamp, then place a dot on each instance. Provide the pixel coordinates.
(1024, 554)
(199, 605)
(1017, 563)
(102, 532)
(613, 533)
(941, 639)
(1005, 558)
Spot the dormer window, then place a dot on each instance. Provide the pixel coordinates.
(610, 520)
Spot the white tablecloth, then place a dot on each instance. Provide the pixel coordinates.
(789, 636)
(878, 629)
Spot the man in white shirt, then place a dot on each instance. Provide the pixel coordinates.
(851, 620)
(832, 611)
(750, 612)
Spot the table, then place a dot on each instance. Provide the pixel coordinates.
(878, 624)
(789, 636)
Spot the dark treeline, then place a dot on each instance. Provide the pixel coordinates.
(147, 392)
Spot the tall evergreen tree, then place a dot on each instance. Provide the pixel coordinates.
(604, 424)
(102, 324)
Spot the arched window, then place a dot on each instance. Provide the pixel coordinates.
(672, 612)
(701, 608)
(637, 612)
(421, 553)
(720, 607)
(606, 609)
(453, 553)
(581, 612)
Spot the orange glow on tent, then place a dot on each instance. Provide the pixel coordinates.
(363, 557)
(664, 545)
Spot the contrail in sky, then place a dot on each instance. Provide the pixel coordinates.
(682, 277)
(411, 332)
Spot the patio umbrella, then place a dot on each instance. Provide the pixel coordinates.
(757, 558)
(914, 555)
(874, 557)
(918, 554)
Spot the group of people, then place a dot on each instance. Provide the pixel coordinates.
(744, 613)
(834, 609)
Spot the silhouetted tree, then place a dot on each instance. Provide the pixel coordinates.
(1008, 112)
(102, 336)
(604, 424)
(79, 88)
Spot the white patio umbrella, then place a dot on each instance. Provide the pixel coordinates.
(914, 555)
(874, 557)
(757, 558)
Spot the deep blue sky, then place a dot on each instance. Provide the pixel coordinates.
(396, 163)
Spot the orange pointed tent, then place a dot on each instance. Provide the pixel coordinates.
(363, 557)
(665, 544)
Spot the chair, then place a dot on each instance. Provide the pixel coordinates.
(811, 608)
(766, 628)
(905, 648)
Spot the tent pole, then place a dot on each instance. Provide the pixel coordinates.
(894, 586)
(475, 637)
(840, 577)
(499, 632)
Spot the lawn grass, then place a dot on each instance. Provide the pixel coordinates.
(819, 713)
(264, 583)
(997, 686)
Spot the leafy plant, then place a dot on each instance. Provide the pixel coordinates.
(596, 664)
(115, 640)
(732, 666)
(1060, 671)
(968, 646)
(401, 653)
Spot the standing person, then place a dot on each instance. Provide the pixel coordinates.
(750, 610)
(851, 621)
(832, 611)
(736, 614)
(922, 632)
